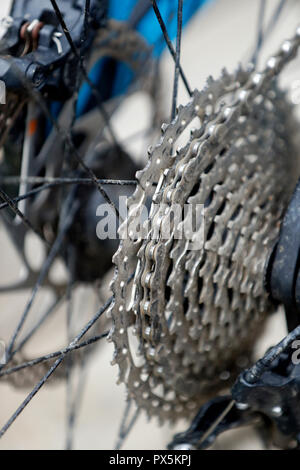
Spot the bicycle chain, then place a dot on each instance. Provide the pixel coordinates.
(180, 326)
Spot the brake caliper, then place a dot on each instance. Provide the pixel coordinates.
(39, 52)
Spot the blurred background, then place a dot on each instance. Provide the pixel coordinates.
(222, 34)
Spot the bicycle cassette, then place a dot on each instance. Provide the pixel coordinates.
(184, 317)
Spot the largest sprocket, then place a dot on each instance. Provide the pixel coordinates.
(182, 317)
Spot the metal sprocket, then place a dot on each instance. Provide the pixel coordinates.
(182, 318)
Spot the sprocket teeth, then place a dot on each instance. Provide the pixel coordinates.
(192, 305)
(164, 127)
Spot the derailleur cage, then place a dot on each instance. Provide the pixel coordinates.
(264, 394)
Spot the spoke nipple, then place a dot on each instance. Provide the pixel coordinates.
(242, 406)
(276, 411)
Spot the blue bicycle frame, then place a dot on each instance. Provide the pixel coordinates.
(149, 28)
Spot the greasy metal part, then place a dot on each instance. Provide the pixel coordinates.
(187, 316)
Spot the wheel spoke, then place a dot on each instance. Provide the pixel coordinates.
(53, 355)
(177, 58)
(43, 273)
(66, 138)
(125, 428)
(260, 26)
(170, 45)
(10, 203)
(62, 356)
(77, 54)
(261, 34)
(50, 310)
